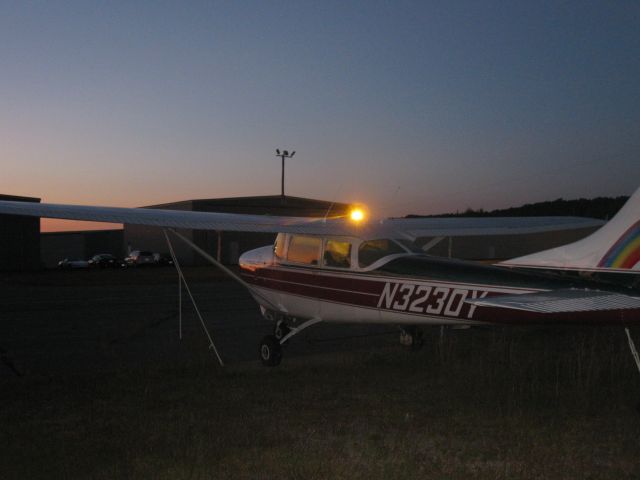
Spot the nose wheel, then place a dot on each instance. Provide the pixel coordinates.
(270, 351)
(271, 345)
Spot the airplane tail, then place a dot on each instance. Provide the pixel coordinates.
(615, 246)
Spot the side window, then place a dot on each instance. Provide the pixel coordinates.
(337, 254)
(278, 248)
(304, 249)
(373, 250)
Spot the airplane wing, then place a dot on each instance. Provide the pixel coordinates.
(424, 227)
(177, 218)
(561, 301)
(461, 227)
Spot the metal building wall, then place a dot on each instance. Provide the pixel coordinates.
(19, 239)
(79, 245)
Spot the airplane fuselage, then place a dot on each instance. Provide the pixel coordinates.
(412, 289)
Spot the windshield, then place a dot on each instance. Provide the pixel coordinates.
(278, 248)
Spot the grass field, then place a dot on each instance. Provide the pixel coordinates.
(482, 403)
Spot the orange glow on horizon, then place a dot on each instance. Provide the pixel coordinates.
(57, 225)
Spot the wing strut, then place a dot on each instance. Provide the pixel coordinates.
(224, 269)
(632, 346)
(195, 306)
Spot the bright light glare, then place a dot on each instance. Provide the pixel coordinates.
(357, 215)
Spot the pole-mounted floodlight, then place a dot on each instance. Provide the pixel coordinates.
(283, 155)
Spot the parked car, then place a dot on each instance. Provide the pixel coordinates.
(162, 259)
(104, 260)
(67, 264)
(139, 258)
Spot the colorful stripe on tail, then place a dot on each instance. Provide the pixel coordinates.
(625, 253)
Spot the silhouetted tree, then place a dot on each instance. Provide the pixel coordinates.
(600, 207)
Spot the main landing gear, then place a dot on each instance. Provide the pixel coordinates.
(411, 337)
(271, 345)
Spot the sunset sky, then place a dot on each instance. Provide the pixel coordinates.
(409, 107)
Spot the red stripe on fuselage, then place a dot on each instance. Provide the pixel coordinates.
(324, 279)
(411, 296)
(309, 284)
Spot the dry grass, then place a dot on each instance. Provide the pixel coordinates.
(109, 393)
(519, 403)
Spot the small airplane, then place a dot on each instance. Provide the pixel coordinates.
(357, 270)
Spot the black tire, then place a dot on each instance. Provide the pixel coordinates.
(270, 351)
(417, 340)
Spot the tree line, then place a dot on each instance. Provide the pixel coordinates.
(600, 207)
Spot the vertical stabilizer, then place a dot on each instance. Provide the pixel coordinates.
(615, 246)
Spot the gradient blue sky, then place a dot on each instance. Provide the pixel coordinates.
(409, 107)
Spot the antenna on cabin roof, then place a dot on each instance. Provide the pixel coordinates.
(283, 155)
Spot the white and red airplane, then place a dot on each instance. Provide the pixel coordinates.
(354, 270)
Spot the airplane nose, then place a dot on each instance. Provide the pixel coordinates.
(256, 258)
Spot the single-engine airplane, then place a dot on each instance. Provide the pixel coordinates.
(365, 271)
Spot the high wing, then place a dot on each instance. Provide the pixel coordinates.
(423, 227)
(561, 301)
(177, 218)
(462, 227)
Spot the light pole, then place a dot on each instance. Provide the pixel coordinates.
(283, 155)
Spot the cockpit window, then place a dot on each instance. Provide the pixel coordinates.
(278, 248)
(337, 254)
(373, 250)
(304, 249)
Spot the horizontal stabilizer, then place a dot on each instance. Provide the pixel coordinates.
(561, 301)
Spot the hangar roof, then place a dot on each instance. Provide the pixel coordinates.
(267, 205)
(16, 198)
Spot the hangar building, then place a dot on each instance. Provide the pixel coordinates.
(226, 246)
(19, 239)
